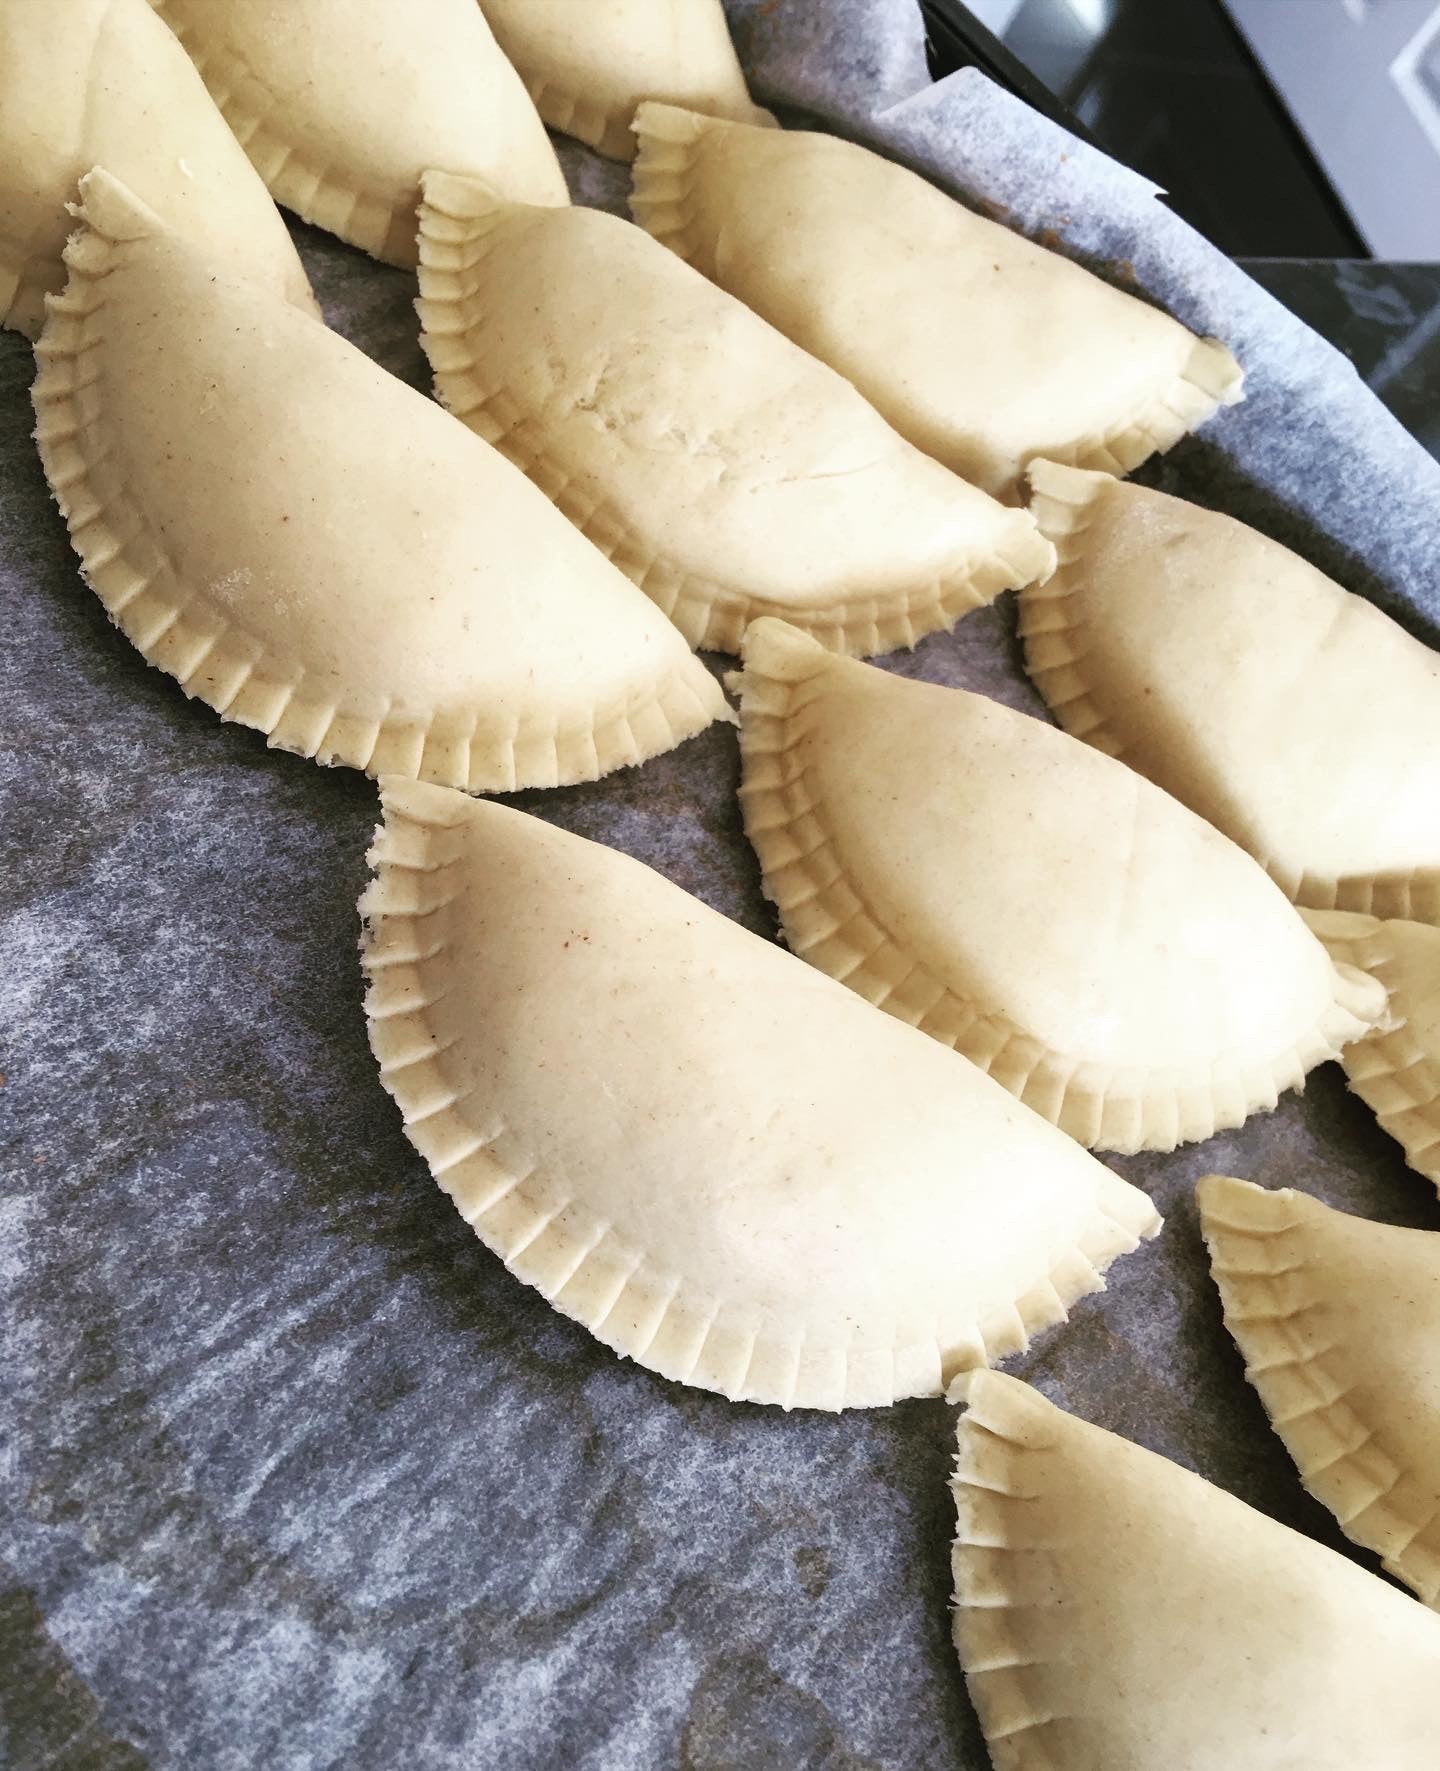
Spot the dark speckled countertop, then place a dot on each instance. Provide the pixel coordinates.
(292, 1472)
(1385, 317)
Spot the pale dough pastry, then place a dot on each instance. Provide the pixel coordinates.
(720, 1162)
(1297, 718)
(1117, 1613)
(981, 347)
(342, 104)
(315, 550)
(589, 63)
(87, 82)
(726, 472)
(1122, 967)
(1396, 1070)
(1339, 1323)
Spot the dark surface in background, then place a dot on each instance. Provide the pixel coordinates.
(1169, 87)
(1385, 317)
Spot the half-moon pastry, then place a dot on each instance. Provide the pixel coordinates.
(1339, 1323)
(724, 1165)
(342, 104)
(589, 66)
(1396, 1069)
(726, 472)
(1115, 1611)
(1296, 717)
(87, 82)
(981, 347)
(315, 550)
(1122, 967)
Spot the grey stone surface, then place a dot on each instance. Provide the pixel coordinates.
(292, 1472)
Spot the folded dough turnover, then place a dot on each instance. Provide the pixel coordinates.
(315, 550)
(1117, 1613)
(981, 347)
(91, 82)
(720, 1162)
(589, 66)
(1122, 967)
(729, 474)
(342, 104)
(1396, 1069)
(1339, 1323)
(1296, 717)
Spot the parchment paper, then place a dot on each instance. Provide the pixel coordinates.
(293, 1473)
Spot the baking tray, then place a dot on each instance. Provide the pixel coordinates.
(294, 1472)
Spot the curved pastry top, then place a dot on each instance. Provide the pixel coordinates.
(981, 347)
(730, 474)
(717, 1160)
(1396, 1069)
(1114, 1610)
(1121, 966)
(1297, 718)
(342, 104)
(102, 82)
(318, 551)
(1339, 1322)
(588, 67)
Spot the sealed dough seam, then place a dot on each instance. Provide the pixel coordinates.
(597, 126)
(659, 191)
(1307, 1384)
(828, 921)
(1390, 1070)
(1405, 897)
(993, 1592)
(1056, 643)
(1210, 379)
(573, 1258)
(1051, 624)
(231, 670)
(308, 187)
(609, 131)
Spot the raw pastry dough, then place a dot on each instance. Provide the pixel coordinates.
(1396, 1070)
(1122, 967)
(342, 104)
(979, 346)
(720, 1162)
(725, 471)
(87, 81)
(316, 550)
(588, 66)
(1294, 716)
(1116, 1613)
(1339, 1323)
